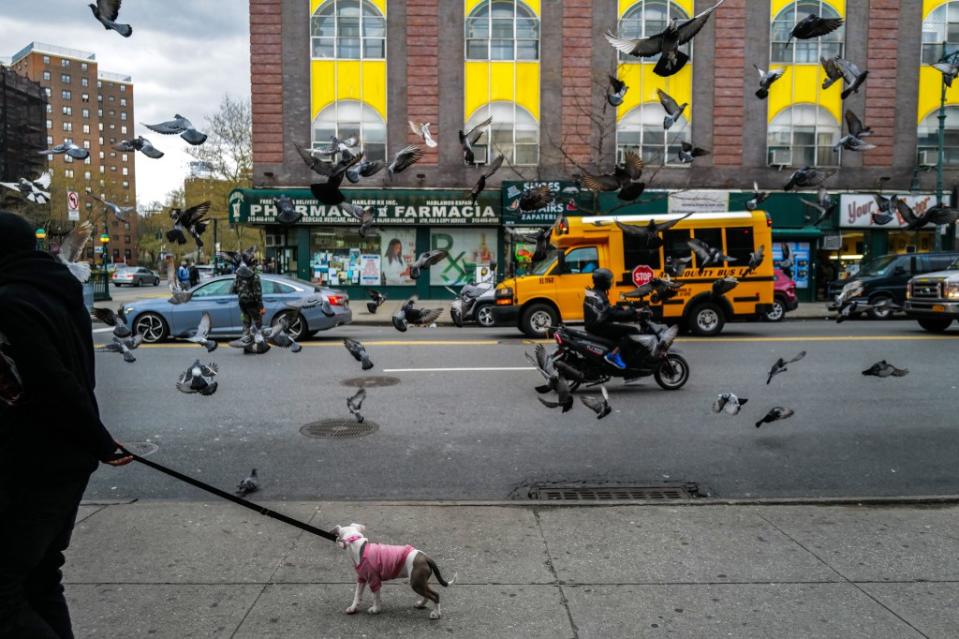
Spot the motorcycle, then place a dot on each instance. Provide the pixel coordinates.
(463, 307)
(585, 352)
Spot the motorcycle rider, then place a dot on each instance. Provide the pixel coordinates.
(603, 319)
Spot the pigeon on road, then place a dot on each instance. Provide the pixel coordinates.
(111, 318)
(883, 368)
(409, 314)
(123, 345)
(781, 366)
(279, 335)
(555, 375)
(358, 351)
(355, 403)
(181, 126)
(248, 485)
(201, 335)
(140, 144)
(729, 403)
(377, 301)
(775, 414)
(599, 405)
(107, 12)
(199, 378)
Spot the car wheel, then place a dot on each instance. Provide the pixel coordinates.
(152, 327)
(777, 312)
(138, 283)
(935, 325)
(706, 319)
(881, 313)
(156, 281)
(538, 319)
(484, 316)
(297, 323)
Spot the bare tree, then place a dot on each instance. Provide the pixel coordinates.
(228, 151)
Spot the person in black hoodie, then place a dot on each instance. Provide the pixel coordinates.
(51, 436)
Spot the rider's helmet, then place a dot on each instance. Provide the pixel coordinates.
(602, 279)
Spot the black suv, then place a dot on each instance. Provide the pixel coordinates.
(886, 277)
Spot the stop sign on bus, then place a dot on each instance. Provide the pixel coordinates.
(642, 274)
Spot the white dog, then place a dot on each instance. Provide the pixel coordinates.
(376, 563)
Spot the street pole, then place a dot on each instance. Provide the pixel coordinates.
(937, 238)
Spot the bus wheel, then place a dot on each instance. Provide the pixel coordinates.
(706, 319)
(538, 319)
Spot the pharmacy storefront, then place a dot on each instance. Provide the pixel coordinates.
(325, 246)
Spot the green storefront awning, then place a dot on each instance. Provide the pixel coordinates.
(806, 232)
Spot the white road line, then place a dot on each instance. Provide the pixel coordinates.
(103, 330)
(458, 370)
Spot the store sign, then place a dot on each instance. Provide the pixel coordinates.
(856, 211)
(391, 206)
(564, 192)
(699, 202)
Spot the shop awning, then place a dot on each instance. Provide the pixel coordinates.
(806, 232)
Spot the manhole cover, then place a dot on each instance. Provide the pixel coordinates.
(143, 449)
(339, 429)
(610, 492)
(371, 381)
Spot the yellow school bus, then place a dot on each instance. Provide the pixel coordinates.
(553, 292)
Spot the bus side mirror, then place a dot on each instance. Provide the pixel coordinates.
(562, 268)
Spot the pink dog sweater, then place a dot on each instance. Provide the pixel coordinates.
(380, 563)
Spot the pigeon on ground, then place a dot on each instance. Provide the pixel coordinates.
(724, 285)
(362, 214)
(248, 485)
(729, 403)
(36, 191)
(853, 76)
(286, 213)
(119, 212)
(688, 152)
(676, 266)
(706, 255)
(555, 374)
(599, 405)
(199, 378)
(541, 238)
(377, 300)
(123, 345)
(404, 159)
(111, 318)
(883, 368)
(666, 42)
(776, 414)
(201, 335)
(107, 12)
(624, 179)
(650, 233)
(366, 168)
(616, 91)
(766, 80)
(426, 260)
(824, 207)
(71, 250)
(833, 71)
(758, 198)
(487, 174)
(812, 26)
(313, 301)
(535, 198)
(755, 259)
(780, 366)
(279, 335)
(469, 138)
(673, 109)
(805, 177)
(179, 125)
(948, 70)
(179, 294)
(409, 314)
(355, 403)
(422, 129)
(358, 351)
(140, 144)
(192, 220)
(67, 148)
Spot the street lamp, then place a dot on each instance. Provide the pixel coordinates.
(951, 59)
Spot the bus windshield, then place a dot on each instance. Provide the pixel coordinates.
(545, 264)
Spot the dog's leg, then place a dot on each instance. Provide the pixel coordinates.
(434, 596)
(357, 595)
(377, 604)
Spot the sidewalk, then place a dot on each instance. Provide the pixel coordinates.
(164, 569)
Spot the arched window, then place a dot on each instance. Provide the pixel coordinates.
(514, 133)
(803, 135)
(942, 26)
(647, 18)
(928, 134)
(502, 30)
(804, 51)
(347, 118)
(348, 30)
(641, 131)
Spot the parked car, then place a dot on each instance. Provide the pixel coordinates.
(135, 276)
(478, 300)
(933, 298)
(784, 297)
(885, 278)
(158, 319)
(206, 272)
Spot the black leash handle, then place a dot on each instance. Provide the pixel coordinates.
(236, 500)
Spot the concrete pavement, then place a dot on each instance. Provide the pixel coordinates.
(192, 569)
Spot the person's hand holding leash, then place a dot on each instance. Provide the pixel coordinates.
(120, 457)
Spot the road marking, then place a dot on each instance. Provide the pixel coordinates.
(103, 330)
(458, 370)
(339, 344)
(820, 338)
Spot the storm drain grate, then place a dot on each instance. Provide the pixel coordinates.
(339, 429)
(371, 381)
(586, 492)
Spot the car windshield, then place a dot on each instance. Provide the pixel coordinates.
(878, 266)
(544, 265)
(954, 266)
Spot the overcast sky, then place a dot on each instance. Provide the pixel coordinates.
(184, 55)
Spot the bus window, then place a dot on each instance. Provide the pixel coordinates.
(712, 237)
(582, 260)
(739, 244)
(675, 244)
(635, 252)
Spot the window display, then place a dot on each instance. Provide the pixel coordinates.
(467, 249)
(399, 251)
(335, 255)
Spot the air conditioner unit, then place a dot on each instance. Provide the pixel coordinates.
(928, 158)
(780, 157)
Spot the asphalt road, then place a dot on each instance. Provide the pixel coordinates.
(479, 434)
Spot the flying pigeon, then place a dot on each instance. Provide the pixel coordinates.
(191, 220)
(366, 168)
(786, 262)
(849, 292)
(599, 405)
(673, 109)
(313, 301)
(616, 91)
(426, 260)
(119, 212)
(469, 138)
(729, 403)
(853, 76)
(758, 198)
(883, 368)
(377, 300)
(123, 345)
(279, 335)
(362, 214)
(71, 250)
(940, 215)
(651, 231)
(481, 183)
(535, 198)
(540, 238)
(67, 148)
(199, 378)
(179, 294)
(179, 125)
(201, 335)
(780, 366)
(824, 207)
(409, 314)
(666, 42)
(107, 12)
(852, 143)
(885, 206)
(724, 285)
(355, 403)
(111, 318)
(555, 374)
(707, 255)
(766, 80)
(812, 26)
(833, 71)
(948, 70)
(248, 485)
(804, 178)
(329, 192)
(422, 129)
(358, 351)
(623, 179)
(913, 221)
(404, 159)
(776, 414)
(337, 145)
(755, 259)
(140, 144)
(36, 191)
(676, 266)
(286, 211)
(688, 152)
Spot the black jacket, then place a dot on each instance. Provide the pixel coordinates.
(54, 426)
(597, 310)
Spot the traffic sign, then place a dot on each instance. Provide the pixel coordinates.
(73, 206)
(642, 274)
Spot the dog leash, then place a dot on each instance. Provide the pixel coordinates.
(236, 500)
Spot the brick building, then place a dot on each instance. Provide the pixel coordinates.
(93, 109)
(23, 106)
(539, 67)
